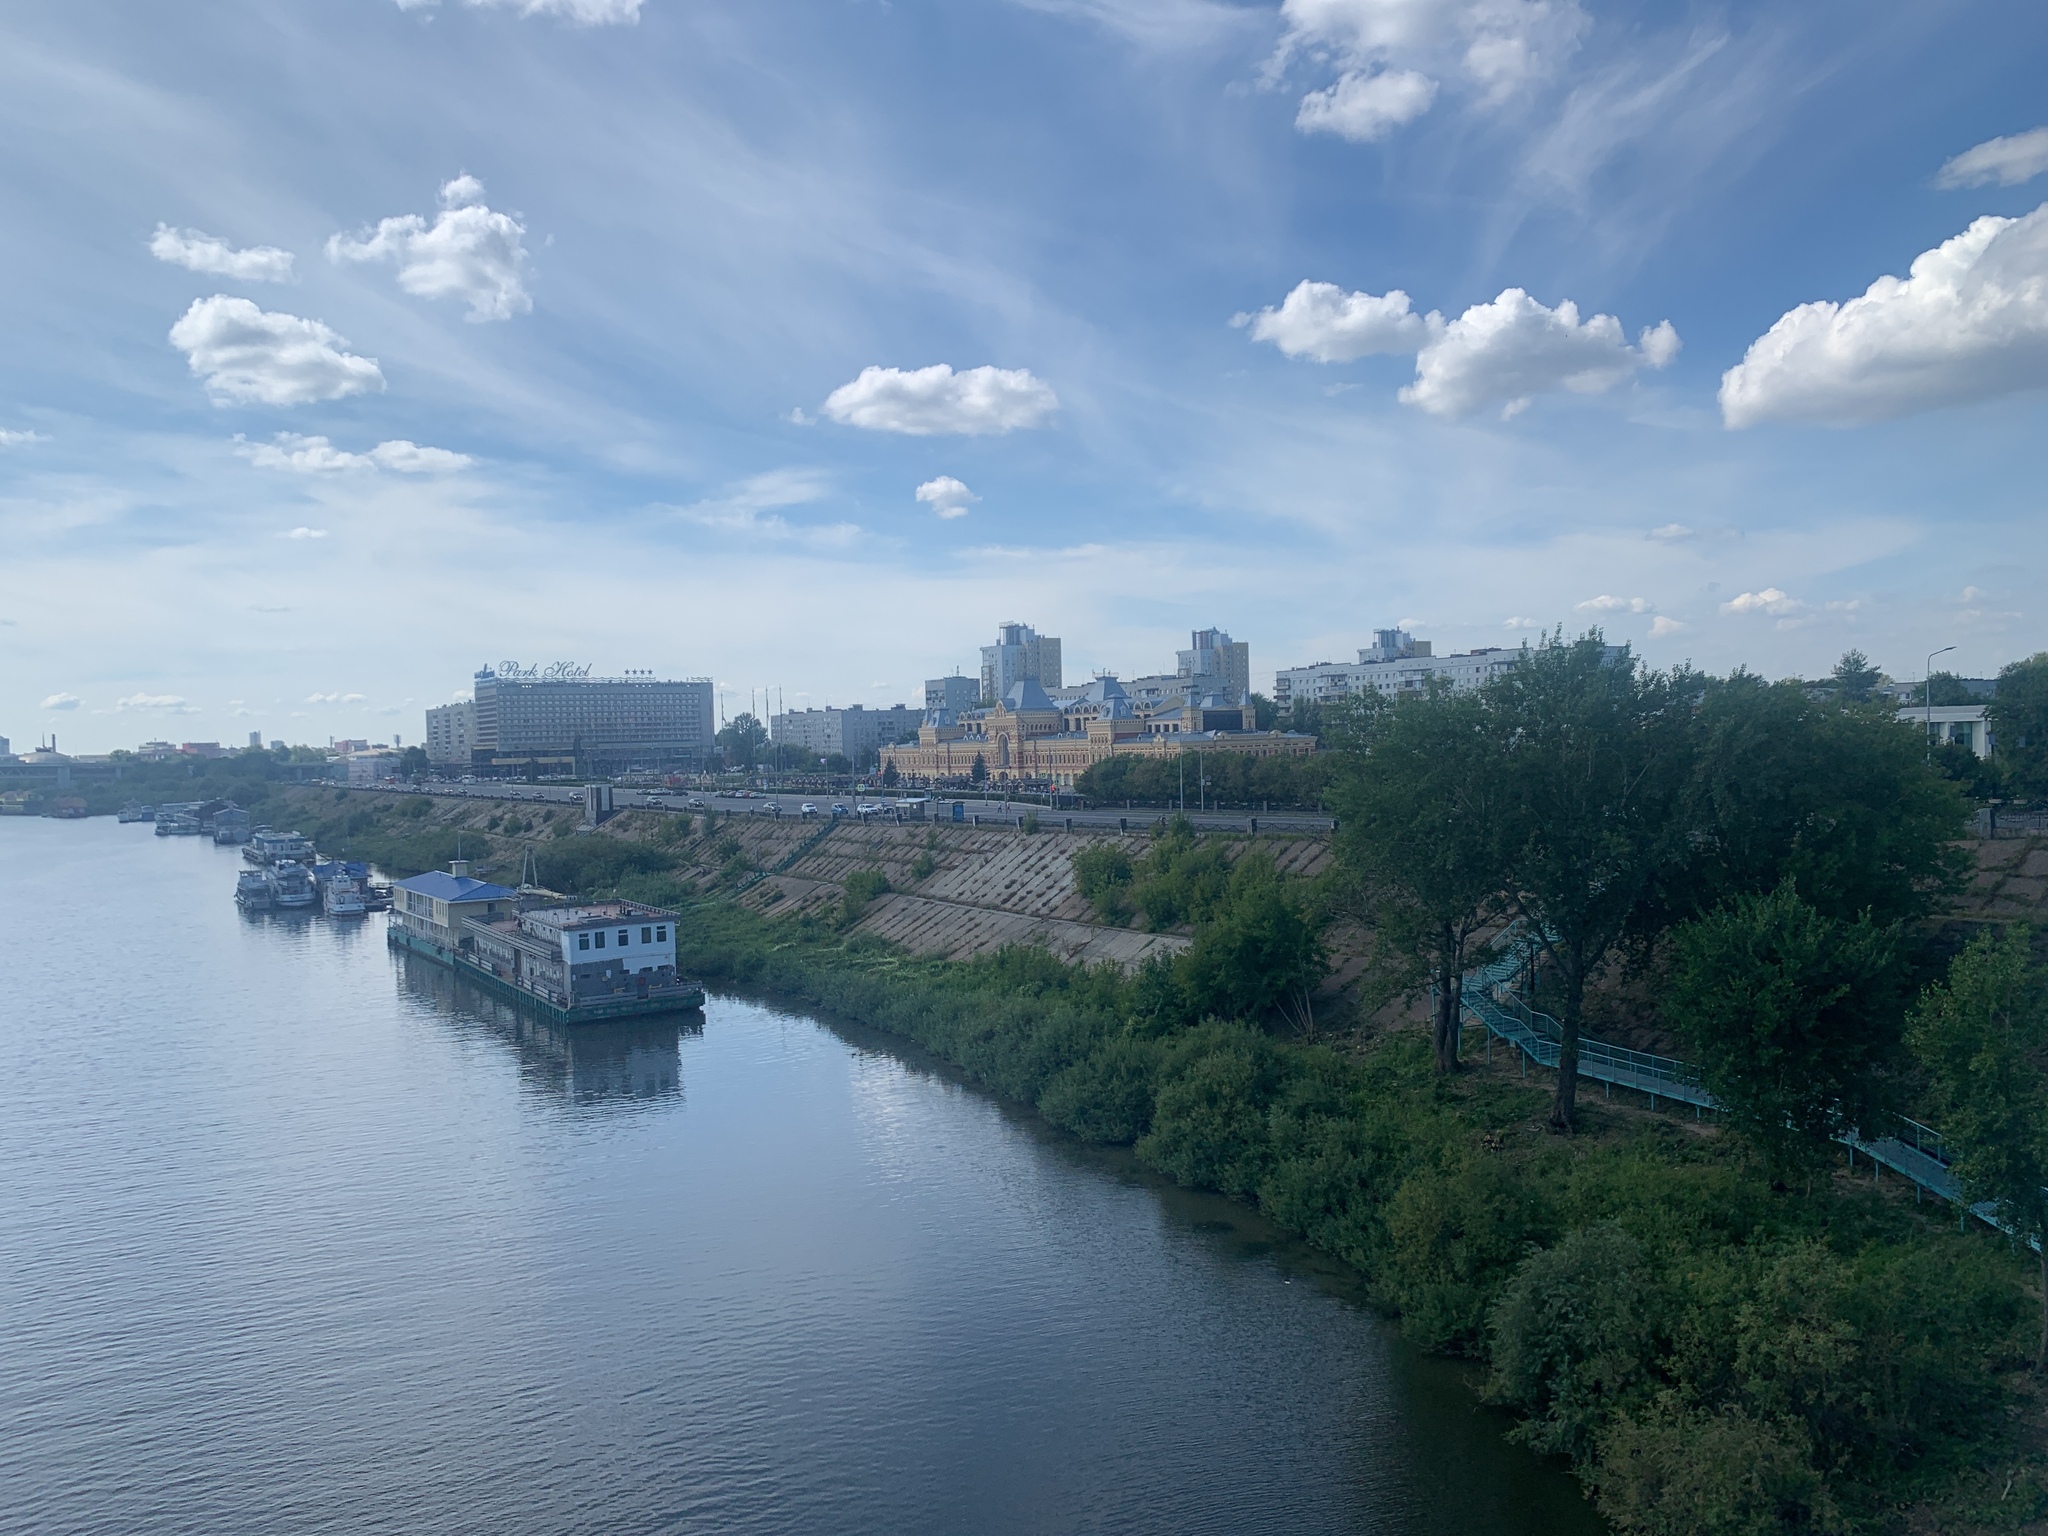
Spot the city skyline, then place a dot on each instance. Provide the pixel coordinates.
(772, 345)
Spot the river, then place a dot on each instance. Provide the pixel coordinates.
(298, 1236)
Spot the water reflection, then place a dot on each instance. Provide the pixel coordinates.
(626, 1062)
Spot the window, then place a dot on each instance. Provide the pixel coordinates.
(646, 935)
(600, 941)
(583, 941)
(625, 937)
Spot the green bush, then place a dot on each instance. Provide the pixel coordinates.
(1677, 1470)
(862, 887)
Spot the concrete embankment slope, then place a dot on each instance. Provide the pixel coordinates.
(957, 891)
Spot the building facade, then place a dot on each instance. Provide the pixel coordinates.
(953, 693)
(1218, 663)
(451, 733)
(1963, 724)
(603, 724)
(1020, 654)
(854, 731)
(1395, 663)
(1032, 736)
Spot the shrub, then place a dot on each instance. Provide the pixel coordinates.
(862, 887)
(1676, 1470)
(1102, 874)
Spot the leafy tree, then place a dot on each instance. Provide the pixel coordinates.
(1594, 753)
(1257, 953)
(2018, 717)
(412, 763)
(1102, 874)
(1978, 778)
(1418, 856)
(862, 887)
(890, 776)
(1855, 676)
(978, 774)
(744, 741)
(1265, 713)
(1836, 797)
(1794, 1017)
(1947, 688)
(1981, 1036)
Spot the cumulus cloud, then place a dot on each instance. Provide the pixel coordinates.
(302, 533)
(1770, 600)
(1506, 352)
(923, 402)
(156, 703)
(1391, 53)
(2006, 162)
(317, 455)
(470, 252)
(1969, 321)
(13, 439)
(1323, 322)
(334, 698)
(584, 13)
(1605, 603)
(1663, 626)
(195, 252)
(61, 701)
(948, 497)
(1519, 621)
(1366, 107)
(1673, 533)
(246, 354)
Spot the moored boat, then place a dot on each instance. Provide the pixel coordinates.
(291, 888)
(342, 897)
(252, 891)
(135, 812)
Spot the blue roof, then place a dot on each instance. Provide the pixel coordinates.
(443, 886)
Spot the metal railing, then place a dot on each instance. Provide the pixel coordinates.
(1489, 996)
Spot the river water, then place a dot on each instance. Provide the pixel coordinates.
(298, 1236)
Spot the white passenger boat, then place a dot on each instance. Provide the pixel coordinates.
(291, 887)
(252, 891)
(342, 897)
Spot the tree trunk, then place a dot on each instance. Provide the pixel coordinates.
(1565, 1105)
(1445, 1034)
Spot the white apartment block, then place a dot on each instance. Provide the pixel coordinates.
(451, 733)
(1394, 664)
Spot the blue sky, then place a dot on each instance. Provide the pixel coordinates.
(351, 345)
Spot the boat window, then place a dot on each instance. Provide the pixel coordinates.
(661, 935)
(625, 937)
(583, 941)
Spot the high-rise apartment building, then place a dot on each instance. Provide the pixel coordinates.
(1221, 662)
(855, 731)
(1020, 654)
(451, 733)
(952, 693)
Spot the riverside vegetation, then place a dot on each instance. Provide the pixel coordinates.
(1719, 1329)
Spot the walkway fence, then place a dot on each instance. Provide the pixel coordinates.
(1491, 996)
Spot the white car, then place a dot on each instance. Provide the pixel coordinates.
(809, 810)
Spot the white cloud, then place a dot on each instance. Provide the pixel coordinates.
(210, 254)
(1520, 622)
(156, 703)
(2008, 161)
(470, 252)
(1366, 107)
(61, 701)
(922, 402)
(948, 497)
(246, 354)
(1664, 626)
(12, 439)
(1390, 51)
(585, 13)
(1322, 321)
(334, 698)
(1770, 600)
(753, 508)
(1514, 348)
(302, 533)
(1608, 604)
(1970, 321)
(317, 455)
(1673, 533)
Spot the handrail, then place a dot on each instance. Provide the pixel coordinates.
(1488, 993)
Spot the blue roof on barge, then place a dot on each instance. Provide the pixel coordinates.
(443, 886)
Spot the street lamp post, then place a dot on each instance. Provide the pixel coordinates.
(1927, 695)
